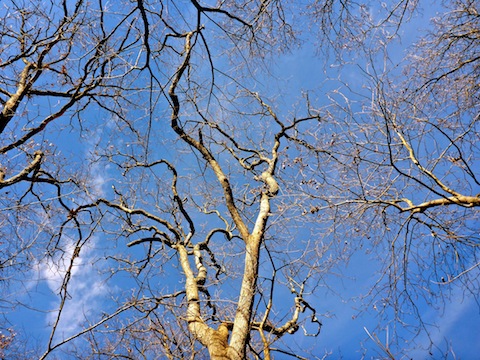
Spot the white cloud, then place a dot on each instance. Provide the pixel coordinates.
(85, 288)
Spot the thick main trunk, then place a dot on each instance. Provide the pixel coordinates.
(218, 344)
(243, 316)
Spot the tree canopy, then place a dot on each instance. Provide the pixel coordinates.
(193, 179)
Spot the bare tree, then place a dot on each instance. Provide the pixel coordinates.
(143, 149)
(431, 127)
(408, 167)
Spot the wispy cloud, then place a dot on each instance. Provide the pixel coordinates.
(85, 290)
(449, 324)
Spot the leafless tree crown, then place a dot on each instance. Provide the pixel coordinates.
(163, 194)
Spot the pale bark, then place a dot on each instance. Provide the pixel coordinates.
(11, 105)
(22, 174)
(216, 340)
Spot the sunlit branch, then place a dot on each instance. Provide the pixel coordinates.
(222, 178)
(414, 159)
(22, 175)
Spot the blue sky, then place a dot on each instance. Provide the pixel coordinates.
(456, 330)
(94, 290)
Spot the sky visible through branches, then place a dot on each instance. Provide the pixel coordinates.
(338, 221)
